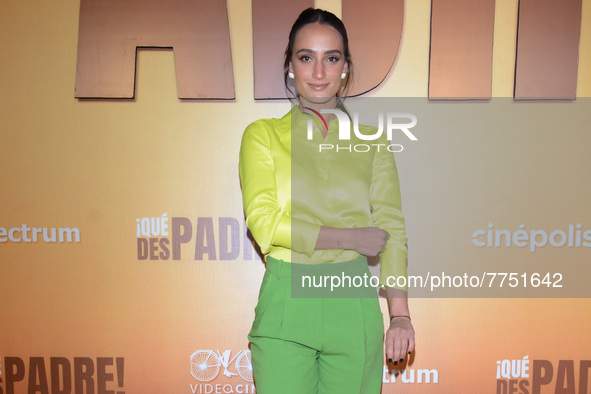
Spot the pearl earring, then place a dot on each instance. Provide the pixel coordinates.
(343, 75)
(290, 74)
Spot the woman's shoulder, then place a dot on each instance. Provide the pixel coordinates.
(261, 124)
(269, 125)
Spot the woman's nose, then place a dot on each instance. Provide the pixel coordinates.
(319, 70)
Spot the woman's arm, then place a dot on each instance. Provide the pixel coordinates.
(386, 213)
(270, 223)
(386, 208)
(370, 241)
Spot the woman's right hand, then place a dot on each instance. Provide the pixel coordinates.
(370, 241)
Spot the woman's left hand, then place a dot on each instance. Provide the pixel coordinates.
(400, 339)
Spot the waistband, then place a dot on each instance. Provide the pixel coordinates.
(284, 268)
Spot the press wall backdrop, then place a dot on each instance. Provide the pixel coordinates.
(124, 258)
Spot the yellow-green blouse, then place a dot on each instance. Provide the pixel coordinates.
(290, 190)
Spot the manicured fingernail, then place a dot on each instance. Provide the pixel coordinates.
(389, 360)
(401, 360)
(395, 362)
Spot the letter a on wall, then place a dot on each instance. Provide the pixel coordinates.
(111, 31)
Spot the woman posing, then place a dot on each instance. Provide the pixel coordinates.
(307, 208)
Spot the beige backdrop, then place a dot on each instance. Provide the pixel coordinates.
(99, 166)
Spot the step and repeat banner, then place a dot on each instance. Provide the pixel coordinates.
(125, 262)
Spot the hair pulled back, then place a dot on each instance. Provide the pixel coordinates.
(316, 15)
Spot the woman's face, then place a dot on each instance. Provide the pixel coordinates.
(318, 62)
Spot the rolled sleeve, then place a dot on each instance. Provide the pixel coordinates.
(296, 234)
(386, 213)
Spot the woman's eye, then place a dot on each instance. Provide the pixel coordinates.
(333, 59)
(305, 58)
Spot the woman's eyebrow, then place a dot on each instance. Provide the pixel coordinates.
(330, 52)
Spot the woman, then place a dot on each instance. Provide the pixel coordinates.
(306, 208)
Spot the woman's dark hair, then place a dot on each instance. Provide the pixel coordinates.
(315, 15)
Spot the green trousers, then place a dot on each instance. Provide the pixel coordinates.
(324, 345)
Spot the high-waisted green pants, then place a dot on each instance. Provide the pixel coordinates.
(302, 345)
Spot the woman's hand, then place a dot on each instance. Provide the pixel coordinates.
(370, 241)
(400, 339)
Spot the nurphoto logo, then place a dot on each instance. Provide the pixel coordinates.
(394, 121)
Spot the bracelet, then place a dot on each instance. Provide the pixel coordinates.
(393, 316)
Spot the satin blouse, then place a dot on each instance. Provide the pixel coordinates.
(290, 189)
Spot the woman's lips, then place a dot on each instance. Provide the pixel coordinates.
(318, 86)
